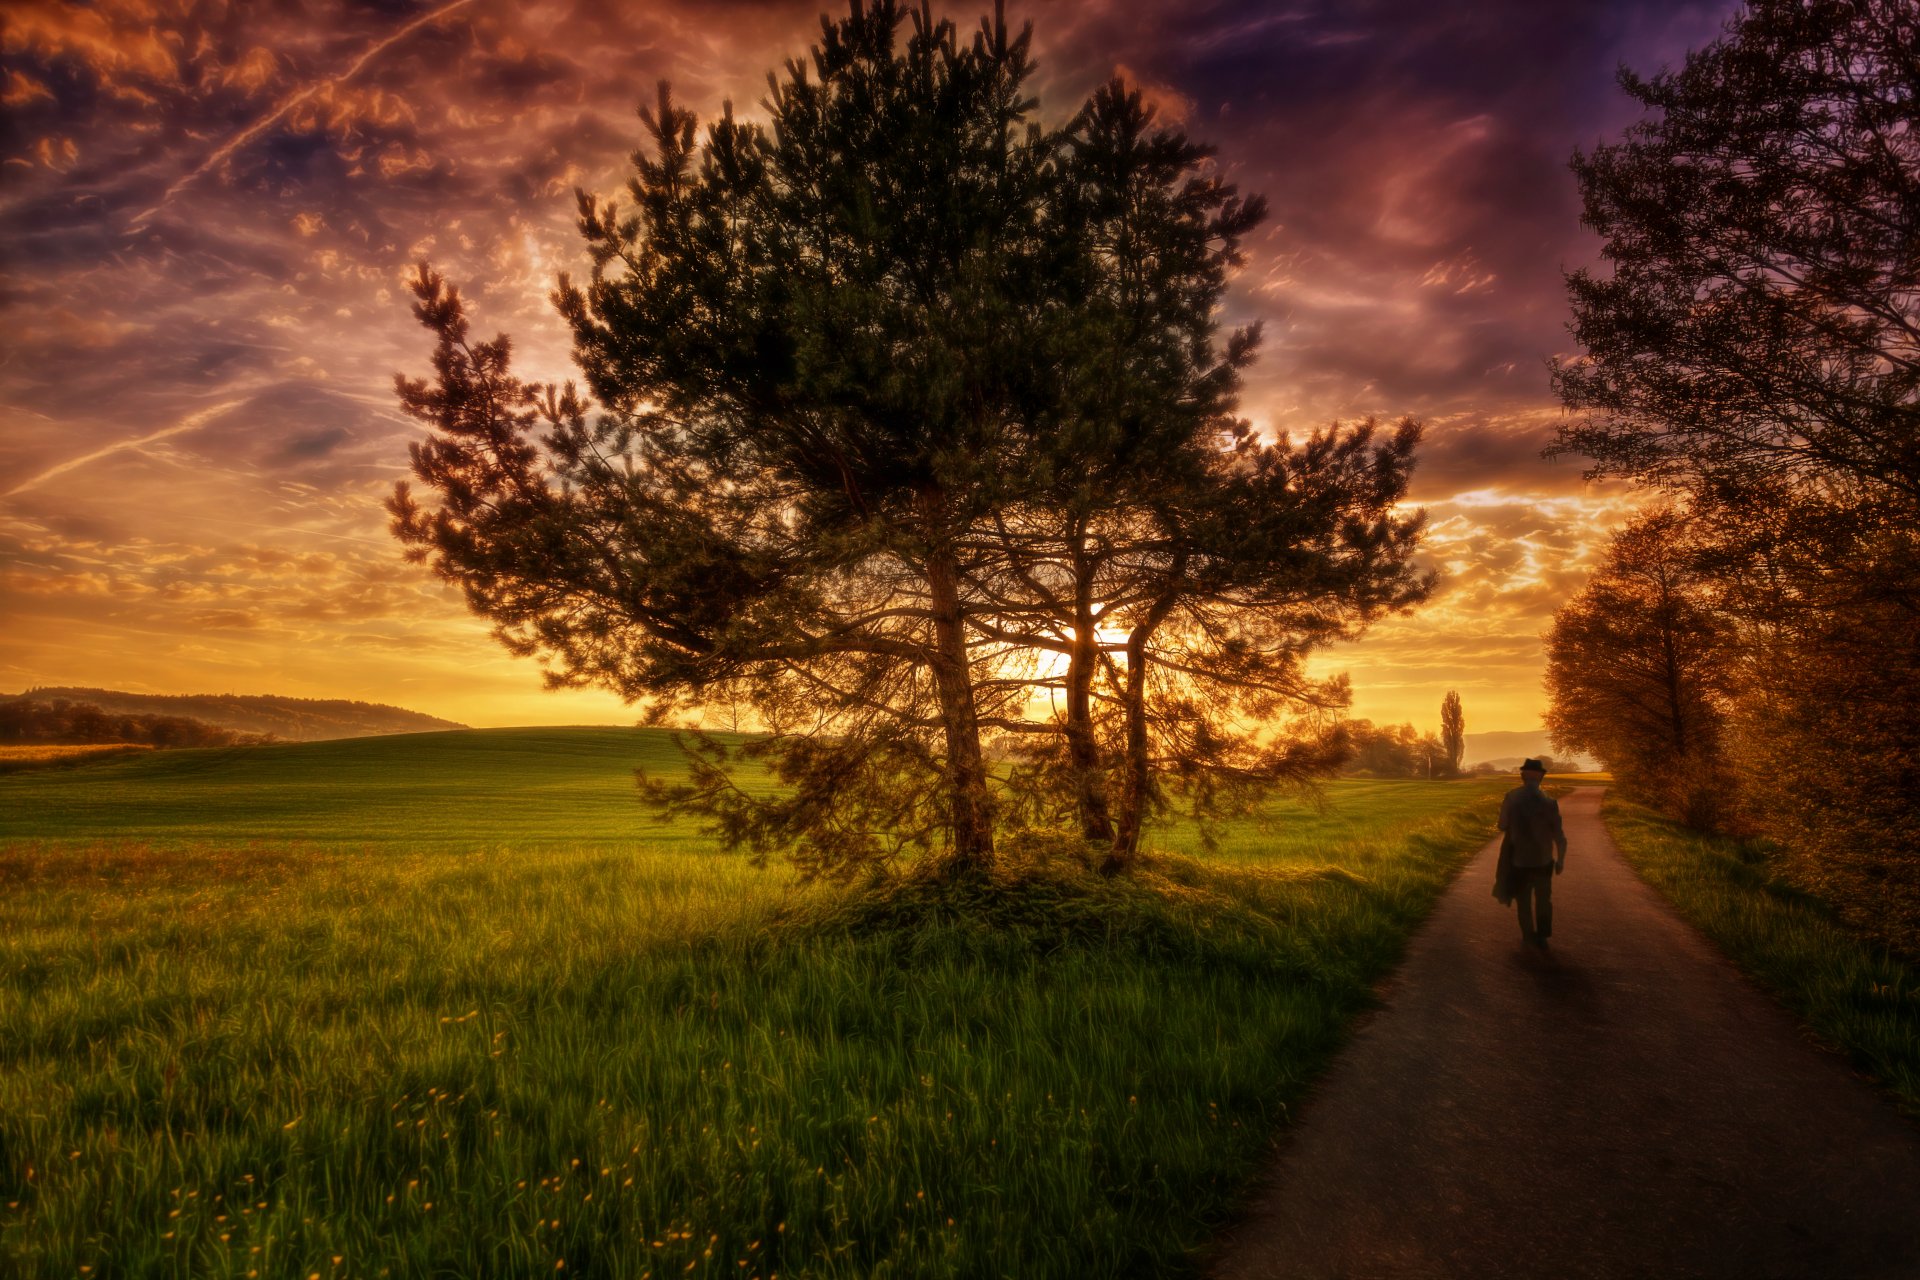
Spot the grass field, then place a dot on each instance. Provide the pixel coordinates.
(451, 1005)
(494, 787)
(1851, 992)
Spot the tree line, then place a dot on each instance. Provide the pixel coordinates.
(909, 433)
(62, 721)
(1402, 751)
(269, 715)
(1746, 656)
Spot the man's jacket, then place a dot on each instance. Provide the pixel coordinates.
(1531, 819)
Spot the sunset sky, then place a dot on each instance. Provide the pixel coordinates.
(208, 210)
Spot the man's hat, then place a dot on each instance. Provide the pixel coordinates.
(1534, 765)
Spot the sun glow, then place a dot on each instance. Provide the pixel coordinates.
(1048, 669)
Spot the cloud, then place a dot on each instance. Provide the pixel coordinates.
(261, 62)
(1171, 108)
(314, 444)
(210, 209)
(192, 422)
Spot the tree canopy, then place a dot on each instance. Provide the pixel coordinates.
(1639, 665)
(904, 413)
(1389, 751)
(1752, 349)
(1760, 325)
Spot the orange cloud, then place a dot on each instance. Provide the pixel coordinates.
(1171, 107)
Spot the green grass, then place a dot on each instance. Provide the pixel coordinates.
(450, 1005)
(1851, 992)
(1356, 811)
(497, 786)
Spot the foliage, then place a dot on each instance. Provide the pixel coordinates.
(1178, 566)
(1453, 731)
(1756, 350)
(1760, 328)
(1638, 668)
(1213, 590)
(1742, 894)
(1281, 549)
(808, 352)
(1391, 751)
(1138, 394)
(893, 399)
(1830, 735)
(421, 1048)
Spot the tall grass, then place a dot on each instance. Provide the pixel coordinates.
(368, 1057)
(1849, 990)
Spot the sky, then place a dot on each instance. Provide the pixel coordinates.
(208, 211)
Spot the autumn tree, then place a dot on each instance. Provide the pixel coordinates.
(1453, 732)
(1753, 345)
(1638, 670)
(1760, 324)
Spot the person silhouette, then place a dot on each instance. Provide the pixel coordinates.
(1530, 821)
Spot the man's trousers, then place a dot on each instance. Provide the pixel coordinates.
(1533, 894)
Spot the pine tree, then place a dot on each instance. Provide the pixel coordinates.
(890, 404)
(802, 340)
(1183, 568)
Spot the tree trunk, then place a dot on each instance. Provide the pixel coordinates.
(967, 783)
(1083, 749)
(1137, 776)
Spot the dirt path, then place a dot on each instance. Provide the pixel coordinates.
(1625, 1106)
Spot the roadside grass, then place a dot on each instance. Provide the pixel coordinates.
(1852, 993)
(494, 1051)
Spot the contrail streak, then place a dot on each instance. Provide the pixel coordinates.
(279, 113)
(190, 422)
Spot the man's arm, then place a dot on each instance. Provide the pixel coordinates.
(1506, 807)
(1559, 838)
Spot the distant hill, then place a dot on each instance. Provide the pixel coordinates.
(291, 719)
(1506, 749)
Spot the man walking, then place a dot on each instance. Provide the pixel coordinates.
(1531, 820)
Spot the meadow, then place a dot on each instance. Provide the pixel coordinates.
(453, 1005)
